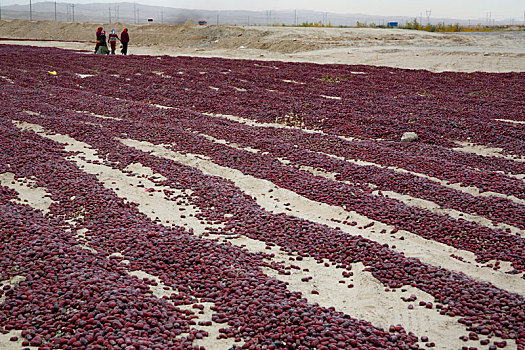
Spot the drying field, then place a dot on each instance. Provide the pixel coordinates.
(179, 202)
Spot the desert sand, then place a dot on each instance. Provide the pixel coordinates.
(437, 52)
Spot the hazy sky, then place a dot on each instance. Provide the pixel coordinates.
(500, 9)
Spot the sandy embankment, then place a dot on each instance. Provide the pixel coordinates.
(487, 52)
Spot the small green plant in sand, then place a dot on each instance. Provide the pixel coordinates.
(332, 79)
(291, 119)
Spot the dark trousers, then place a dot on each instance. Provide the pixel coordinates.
(124, 48)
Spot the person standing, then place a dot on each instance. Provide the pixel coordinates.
(99, 30)
(113, 40)
(124, 39)
(102, 45)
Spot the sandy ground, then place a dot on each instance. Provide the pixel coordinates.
(464, 52)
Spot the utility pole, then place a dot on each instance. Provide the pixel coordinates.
(30, 11)
(161, 17)
(55, 10)
(138, 16)
(295, 17)
(135, 12)
(217, 19)
(109, 10)
(429, 12)
(73, 11)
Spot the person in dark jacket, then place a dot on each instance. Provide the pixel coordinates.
(99, 30)
(124, 40)
(102, 45)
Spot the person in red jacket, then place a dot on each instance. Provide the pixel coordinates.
(113, 41)
(99, 30)
(124, 39)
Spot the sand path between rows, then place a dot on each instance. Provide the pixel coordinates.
(472, 190)
(406, 199)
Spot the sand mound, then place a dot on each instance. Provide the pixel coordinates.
(186, 35)
(487, 52)
(276, 39)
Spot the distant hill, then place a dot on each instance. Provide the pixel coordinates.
(127, 12)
